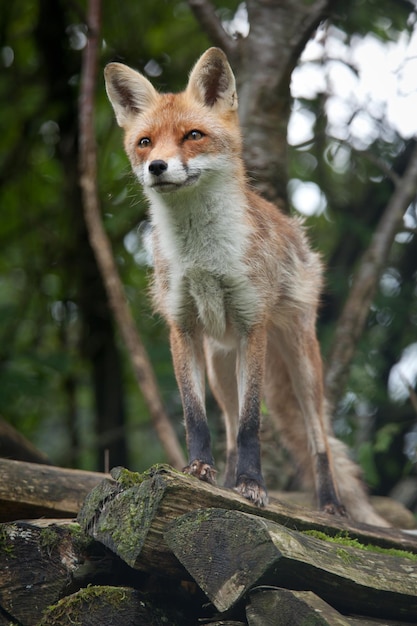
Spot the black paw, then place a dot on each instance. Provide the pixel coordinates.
(334, 508)
(202, 471)
(252, 490)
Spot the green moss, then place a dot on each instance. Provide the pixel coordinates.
(160, 469)
(126, 478)
(126, 524)
(72, 608)
(345, 540)
(345, 556)
(49, 539)
(80, 539)
(6, 541)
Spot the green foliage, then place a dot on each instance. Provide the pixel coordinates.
(51, 310)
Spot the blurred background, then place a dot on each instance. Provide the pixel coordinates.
(65, 379)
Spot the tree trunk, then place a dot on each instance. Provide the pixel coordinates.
(263, 62)
(84, 282)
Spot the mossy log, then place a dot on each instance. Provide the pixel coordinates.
(31, 490)
(229, 552)
(100, 605)
(118, 606)
(37, 564)
(45, 563)
(43, 560)
(129, 512)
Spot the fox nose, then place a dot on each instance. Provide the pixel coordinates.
(157, 167)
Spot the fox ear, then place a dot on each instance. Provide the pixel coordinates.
(129, 92)
(212, 81)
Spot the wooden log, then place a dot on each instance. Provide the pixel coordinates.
(98, 605)
(273, 606)
(5, 620)
(229, 552)
(157, 604)
(224, 622)
(42, 560)
(38, 561)
(129, 512)
(396, 514)
(281, 607)
(31, 490)
(381, 621)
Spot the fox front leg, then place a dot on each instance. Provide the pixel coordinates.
(188, 358)
(250, 375)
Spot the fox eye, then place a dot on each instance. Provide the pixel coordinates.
(144, 142)
(194, 135)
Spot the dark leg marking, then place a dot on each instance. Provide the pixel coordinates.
(249, 480)
(326, 493)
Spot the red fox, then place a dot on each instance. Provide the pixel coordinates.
(237, 283)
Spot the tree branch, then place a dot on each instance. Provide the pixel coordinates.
(353, 318)
(102, 248)
(13, 445)
(205, 14)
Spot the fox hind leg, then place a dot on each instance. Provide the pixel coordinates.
(221, 372)
(294, 395)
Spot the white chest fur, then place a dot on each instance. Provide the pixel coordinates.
(204, 238)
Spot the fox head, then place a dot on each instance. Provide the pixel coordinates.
(178, 141)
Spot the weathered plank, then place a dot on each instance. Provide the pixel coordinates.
(281, 607)
(229, 552)
(129, 512)
(31, 490)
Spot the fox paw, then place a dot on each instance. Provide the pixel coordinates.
(334, 508)
(252, 490)
(202, 471)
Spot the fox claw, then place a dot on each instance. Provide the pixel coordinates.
(252, 490)
(334, 508)
(202, 471)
